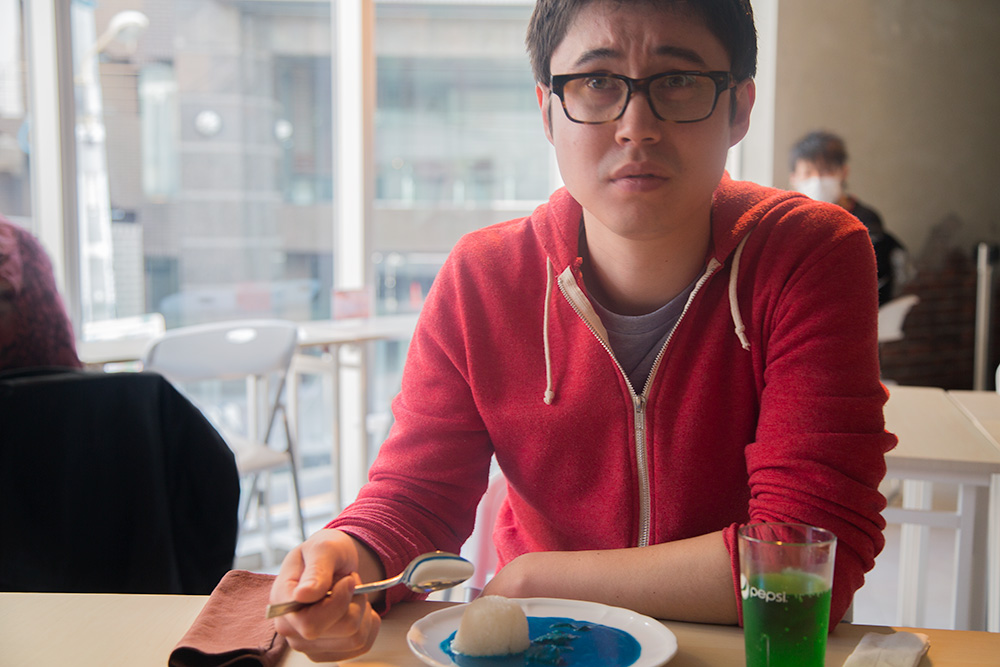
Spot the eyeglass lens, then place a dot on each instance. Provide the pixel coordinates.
(676, 97)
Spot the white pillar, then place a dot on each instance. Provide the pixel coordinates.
(354, 191)
(52, 173)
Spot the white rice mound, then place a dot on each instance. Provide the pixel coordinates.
(492, 625)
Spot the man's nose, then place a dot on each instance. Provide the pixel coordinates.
(638, 124)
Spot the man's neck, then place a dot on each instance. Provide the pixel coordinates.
(635, 277)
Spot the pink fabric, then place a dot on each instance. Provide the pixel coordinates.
(231, 629)
(789, 430)
(34, 328)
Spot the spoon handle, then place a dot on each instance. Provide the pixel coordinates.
(282, 608)
(378, 585)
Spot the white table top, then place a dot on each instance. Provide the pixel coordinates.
(313, 333)
(317, 333)
(983, 408)
(141, 630)
(932, 428)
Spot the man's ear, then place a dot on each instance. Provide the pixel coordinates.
(544, 96)
(743, 96)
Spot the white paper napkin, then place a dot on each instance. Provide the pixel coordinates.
(900, 649)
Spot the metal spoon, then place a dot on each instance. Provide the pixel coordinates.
(426, 573)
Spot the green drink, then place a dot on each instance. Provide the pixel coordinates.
(786, 615)
(786, 578)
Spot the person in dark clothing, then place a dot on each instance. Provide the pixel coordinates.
(818, 166)
(35, 330)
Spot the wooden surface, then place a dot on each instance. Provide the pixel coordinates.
(140, 630)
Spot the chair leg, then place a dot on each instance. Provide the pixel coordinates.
(293, 465)
(265, 505)
(246, 499)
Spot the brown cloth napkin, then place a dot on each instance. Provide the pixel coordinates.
(231, 630)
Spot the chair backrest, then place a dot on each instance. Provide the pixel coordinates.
(479, 548)
(223, 350)
(891, 316)
(111, 482)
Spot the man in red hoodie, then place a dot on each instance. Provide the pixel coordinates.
(655, 356)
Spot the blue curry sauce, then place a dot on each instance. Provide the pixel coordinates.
(563, 642)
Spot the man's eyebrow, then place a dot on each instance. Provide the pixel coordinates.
(681, 52)
(595, 54)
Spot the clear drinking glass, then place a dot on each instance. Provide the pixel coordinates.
(786, 578)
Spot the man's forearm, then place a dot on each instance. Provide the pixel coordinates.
(687, 580)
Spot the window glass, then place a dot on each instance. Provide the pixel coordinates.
(458, 139)
(204, 155)
(15, 190)
(207, 152)
(204, 145)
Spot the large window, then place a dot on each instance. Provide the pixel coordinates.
(206, 144)
(206, 148)
(206, 151)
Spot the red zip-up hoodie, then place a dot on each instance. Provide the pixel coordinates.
(764, 405)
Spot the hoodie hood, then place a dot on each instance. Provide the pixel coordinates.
(737, 208)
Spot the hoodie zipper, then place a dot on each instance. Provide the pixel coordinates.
(639, 402)
(642, 464)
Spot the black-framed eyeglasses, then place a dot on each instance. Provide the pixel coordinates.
(682, 97)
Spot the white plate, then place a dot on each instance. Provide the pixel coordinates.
(658, 644)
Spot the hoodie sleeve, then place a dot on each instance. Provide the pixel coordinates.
(819, 453)
(433, 468)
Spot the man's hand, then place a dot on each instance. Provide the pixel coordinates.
(342, 625)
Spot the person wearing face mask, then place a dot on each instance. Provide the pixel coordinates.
(818, 165)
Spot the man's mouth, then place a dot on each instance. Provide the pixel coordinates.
(638, 172)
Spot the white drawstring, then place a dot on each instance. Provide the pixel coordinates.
(734, 306)
(550, 276)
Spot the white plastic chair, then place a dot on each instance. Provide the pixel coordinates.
(255, 351)
(891, 316)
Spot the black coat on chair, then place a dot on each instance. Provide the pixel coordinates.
(111, 482)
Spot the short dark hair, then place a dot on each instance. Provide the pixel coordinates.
(731, 21)
(823, 149)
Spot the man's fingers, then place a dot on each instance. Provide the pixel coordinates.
(292, 567)
(338, 614)
(340, 648)
(309, 570)
(338, 625)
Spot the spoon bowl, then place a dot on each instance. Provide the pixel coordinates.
(429, 572)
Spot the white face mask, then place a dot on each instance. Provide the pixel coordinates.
(821, 188)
